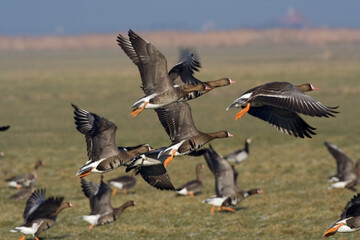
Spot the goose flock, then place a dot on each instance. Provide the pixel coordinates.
(168, 93)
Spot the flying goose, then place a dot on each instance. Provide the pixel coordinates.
(151, 168)
(100, 203)
(25, 180)
(349, 220)
(40, 214)
(194, 186)
(159, 85)
(123, 182)
(177, 121)
(347, 175)
(227, 192)
(279, 104)
(239, 155)
(102, 151)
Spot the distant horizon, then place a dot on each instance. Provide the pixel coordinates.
(69, 18)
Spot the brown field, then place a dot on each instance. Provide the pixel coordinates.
(193, 39)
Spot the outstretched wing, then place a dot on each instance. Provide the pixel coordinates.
(291, 98)
(352, 208)
(34, 201)
(99, 134)
(89, 188)
(343, 162)
(150, 61)
(177, 121)
(46, 209)
(285, 121)
(183, 72)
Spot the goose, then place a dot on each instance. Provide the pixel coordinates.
(177, 121)
(349, 220)
(102, 151)
(239, 155)
(194, 186)
(157, 84)
(227, 192)
(41, 214)
(279, 104)
(151, 168)
(24, 193)
(25, 180)
(347, 175)
(100, 203)
(124, 182)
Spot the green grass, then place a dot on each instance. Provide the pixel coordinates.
(38, 87)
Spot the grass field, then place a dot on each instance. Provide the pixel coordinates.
(37, 88)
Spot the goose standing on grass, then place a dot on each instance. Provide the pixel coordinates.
(124, 182)
(239, 155)
(347, 175)
(24, 193)
(349, 220)
(194, 186)
(227, 192)
(151, 168)
(178, 123)
(25, 180)
(279, 104)
(102, 151)
(40, 214)
(100, 203)
(159, 85)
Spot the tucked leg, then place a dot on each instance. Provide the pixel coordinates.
(242, 112)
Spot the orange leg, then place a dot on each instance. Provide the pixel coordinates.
(228, 209)
(242, 112)
(22, 238)
(125, 191)
(191, 194)
(212, 209)
(18, 187)
(86, 173)
(137, 111)
(168, 160)
(219, 208)
(332, 230)
(91, 226)
(114, 191)
(36, 238)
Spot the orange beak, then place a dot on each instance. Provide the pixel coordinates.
(332, 231)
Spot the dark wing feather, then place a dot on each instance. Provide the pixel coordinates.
(352, 208)
(152, 65)
(101, 202)
(285, 121)
(156, 176)
(127, 47)
(342, 160)
(99, 134)
(183, 72)
(224, 174)
(177, 121)
(34, 201)
(89, 188)
(291, 98)
(46, 209)
(4, 128)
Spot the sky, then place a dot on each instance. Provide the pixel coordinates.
(75, 17)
